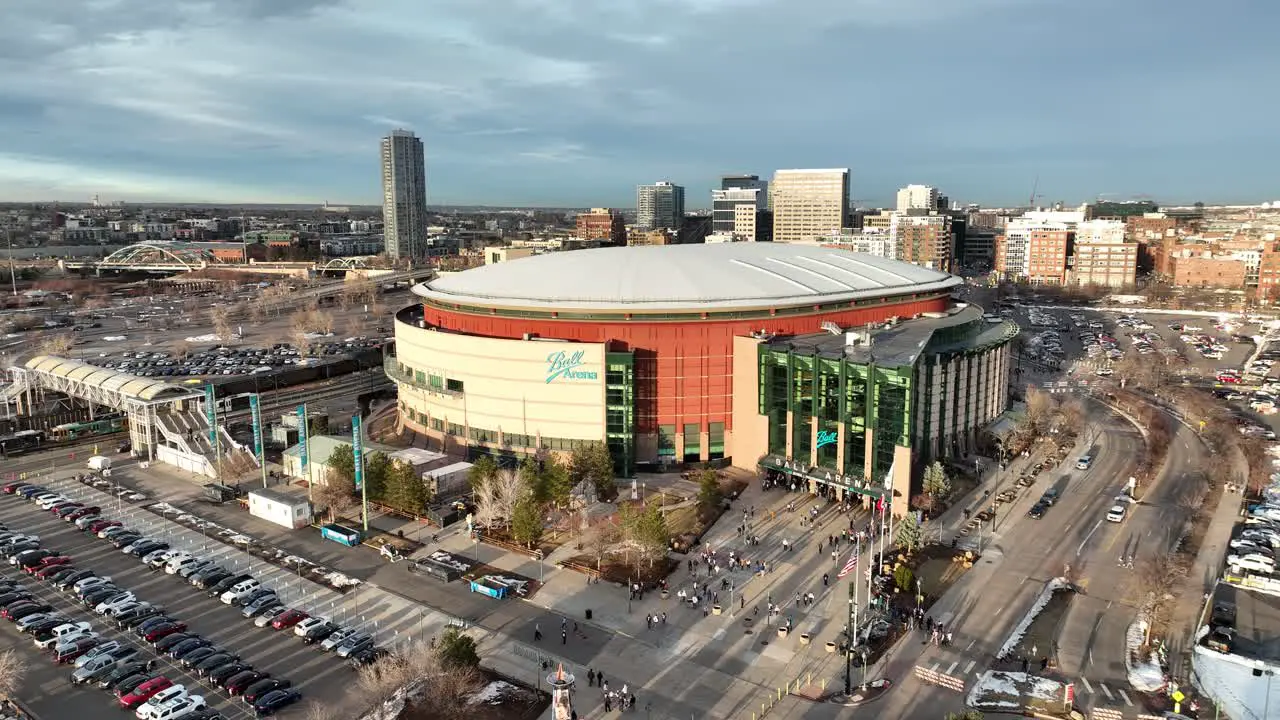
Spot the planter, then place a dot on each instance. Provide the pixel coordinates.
(804, 638)
(716, 610)
(665, 594)
(831, 647)
(782, 632)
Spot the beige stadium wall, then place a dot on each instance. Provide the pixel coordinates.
(509, 386)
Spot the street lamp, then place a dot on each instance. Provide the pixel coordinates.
(850, 638)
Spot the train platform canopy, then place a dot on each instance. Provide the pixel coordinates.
(105, 386)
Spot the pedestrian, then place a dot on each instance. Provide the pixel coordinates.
(664, 618)
(824, 579)
(608, 703)
(591, 677)
(537, 632)
(604, 684)
(575, 626)
(743, 599)
(564, 638)
(563, 622)
(948, 637)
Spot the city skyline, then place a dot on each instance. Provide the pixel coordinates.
(286, 101)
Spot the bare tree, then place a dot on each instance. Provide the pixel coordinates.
(13, 670)
(316, 710)
(1072, 416)
(1041, 407)
(220, 316)
(496, 499)
(59, 344)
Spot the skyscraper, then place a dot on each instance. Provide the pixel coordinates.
(808, 204)
(660, 205)
(918, 197)
(404, 195)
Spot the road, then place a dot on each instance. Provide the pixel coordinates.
(1023, 554)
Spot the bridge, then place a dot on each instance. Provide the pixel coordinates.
(172, 258)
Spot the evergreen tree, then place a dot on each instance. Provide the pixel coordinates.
(482, 471)
(376, 467)
(909, 535)
(532, 477)
(652, 533)
(405, 490)
(456, 650)
(709, 495)
(557, 481)
(526, 523)
(592, 464)
(936, 482)
(341, 464)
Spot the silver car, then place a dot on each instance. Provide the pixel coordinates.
(95, 668)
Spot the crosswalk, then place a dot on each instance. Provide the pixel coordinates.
(1098, 695)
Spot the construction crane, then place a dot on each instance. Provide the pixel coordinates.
(1031, 201)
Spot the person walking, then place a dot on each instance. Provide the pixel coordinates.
(564, 637)
(537, 632)
(591, 677)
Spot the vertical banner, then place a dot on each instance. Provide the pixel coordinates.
(255, 411)
(304, 443)
(211, 413)
(357, 450)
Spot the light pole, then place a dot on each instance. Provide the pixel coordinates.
(850, 638)
(863, 687)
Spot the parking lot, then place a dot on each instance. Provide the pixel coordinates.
(226, 360)
(319, 676)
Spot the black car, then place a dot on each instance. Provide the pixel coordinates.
(194, 657)
(226, 583)
(57, 577)
(121, 672)
(18, 613)
(222, 674)
(208, 577)
(127, 685)
(93, 597)
(148, 547)
(262, 687)
(318, 633)
(274, 701)
(180, 650)
(43, 626)
(125, 538)
(205, 714)
(9, 598)
(137, 616)
(215, 662)
(151, 623)
(64, 582)
(167, 643)
(367, 656)
(1037, 511)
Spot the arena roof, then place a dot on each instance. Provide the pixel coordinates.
(717, 276)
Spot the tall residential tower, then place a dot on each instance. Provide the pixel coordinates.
(660, 205)
(404, 195)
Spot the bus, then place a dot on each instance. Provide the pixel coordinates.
(21, 442)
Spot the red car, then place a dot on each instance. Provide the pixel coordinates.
(51, 561)
(159, 633)
(72, 517)
(100, 525)
(12, 487)
(288, 619)
(45, 573)
(144, 692)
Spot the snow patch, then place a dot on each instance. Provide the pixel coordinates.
(1042, 600)
(203, 338)
(337, 580)
(1145, 675)
(1004, 691)
(493, 693)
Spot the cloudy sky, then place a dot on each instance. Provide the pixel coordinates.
(574, 102)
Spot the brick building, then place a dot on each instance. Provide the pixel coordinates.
(1207, 271)
(604, 224)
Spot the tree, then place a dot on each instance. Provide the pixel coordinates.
(556, 481)
(1041, 407)
(482, 471)
(709, 495)
(60, 344)
(496, 503)
(936, 482)
(909, 536)
(923, 501)
(220, 317)
(13, 670)
(339, 489)
(904, 579)
(526, 523)
(377, 469)
(530, 473)
(592, 464)
(405, 490)
(457, 650)
(652, 533)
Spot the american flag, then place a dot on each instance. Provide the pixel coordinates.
(850, 565)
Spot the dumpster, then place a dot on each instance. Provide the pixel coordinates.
(484, 586)
(341, 534)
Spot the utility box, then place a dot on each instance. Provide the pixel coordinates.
(99, 463)
(448, 482)
(280, 508)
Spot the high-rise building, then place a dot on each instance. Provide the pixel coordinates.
(404, 195)
(809, 204)
(660, 205)
(1103, 256)
(1034, 251)
(925, 240)
(604, 224)
(745, 182)
(918, 197)
(736, 212)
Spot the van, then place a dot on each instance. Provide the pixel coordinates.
(1084, 462)
(240, 591)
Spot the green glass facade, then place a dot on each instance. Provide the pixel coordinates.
(620, 410)
(818, 393)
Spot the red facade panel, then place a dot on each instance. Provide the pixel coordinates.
(683, 370)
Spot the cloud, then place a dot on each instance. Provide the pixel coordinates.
(288, 98)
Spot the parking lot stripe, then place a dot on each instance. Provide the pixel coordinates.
(935, 667)
(1106, 691)
(1124, 696)
(1088, 688)
(952, 669)
(969, 666)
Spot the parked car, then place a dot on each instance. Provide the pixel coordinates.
(144, 692)
(289, 618)
(262, 687)
(274, 701)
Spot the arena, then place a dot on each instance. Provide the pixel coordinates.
(671, 354)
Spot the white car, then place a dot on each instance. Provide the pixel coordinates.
(307, 625)
(174, 567)
(83, 586)
(66, 640)
(62, 631)
(160, 699)
(173, 557)
(1116, 514)
(49, 502)
(172, 709)
(109, 606)
(1252, 562)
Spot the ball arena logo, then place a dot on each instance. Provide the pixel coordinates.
(563, 365)
(826, 437)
